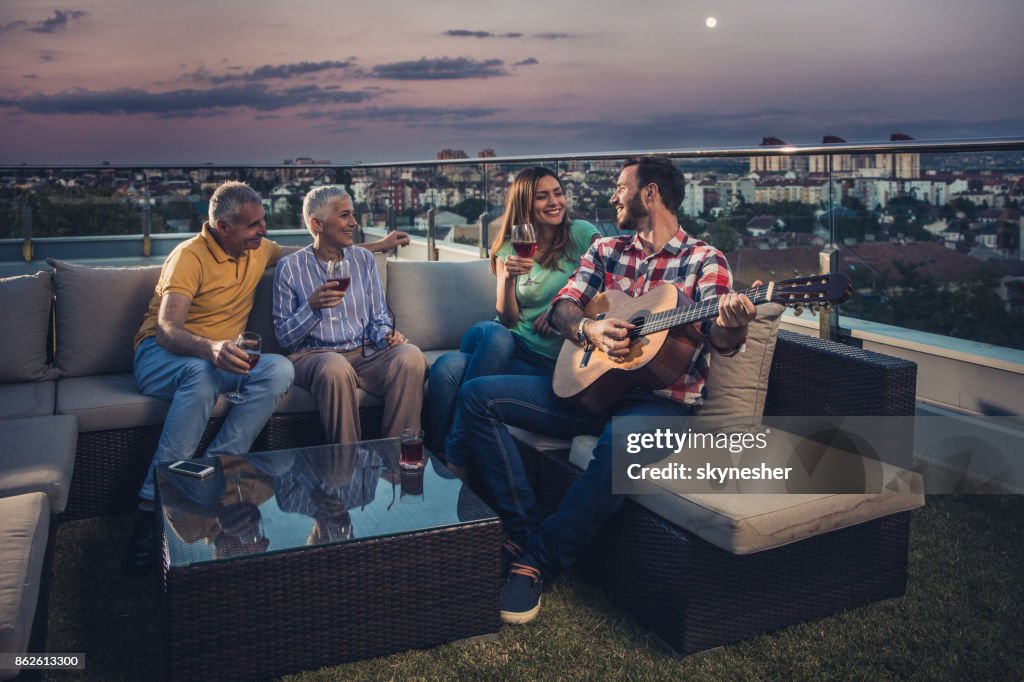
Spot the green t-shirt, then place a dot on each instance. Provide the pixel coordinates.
(534, 300)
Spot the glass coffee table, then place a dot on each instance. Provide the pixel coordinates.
(298, 559)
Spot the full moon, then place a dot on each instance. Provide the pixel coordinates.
(711, 22)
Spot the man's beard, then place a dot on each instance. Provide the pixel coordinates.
(630, 218)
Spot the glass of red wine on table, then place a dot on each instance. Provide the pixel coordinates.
(338, 271)
(412, 449)
(252, 344)
(524, 243)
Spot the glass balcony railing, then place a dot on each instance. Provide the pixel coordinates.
(930, 233)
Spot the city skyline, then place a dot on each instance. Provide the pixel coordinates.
(103, 80)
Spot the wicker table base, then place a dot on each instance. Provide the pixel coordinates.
(271, 613)
(695, 596)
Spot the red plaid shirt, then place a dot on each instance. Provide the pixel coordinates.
(696, 268)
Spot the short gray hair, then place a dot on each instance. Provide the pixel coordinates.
(228, 199)
(316, 202)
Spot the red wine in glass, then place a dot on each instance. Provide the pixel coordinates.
(343, 283)
(252, 344)
(524, 242)
(412, 449)
(525, 249)
(340, 272)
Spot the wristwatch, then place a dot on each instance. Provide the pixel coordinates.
(580, 336)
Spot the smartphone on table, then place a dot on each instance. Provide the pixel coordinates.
(190, 468)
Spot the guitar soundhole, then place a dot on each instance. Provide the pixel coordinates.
(639, 322)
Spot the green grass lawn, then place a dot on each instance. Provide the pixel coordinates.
(961, 619)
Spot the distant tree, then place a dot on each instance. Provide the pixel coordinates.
(856, 227)
(852, 203)
(965, 206)
(722, 235)
(10, 213)
(469, 208)
(967, 309)
(258, 182)
(59, 212)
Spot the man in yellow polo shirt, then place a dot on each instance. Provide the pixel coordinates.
(185, 351)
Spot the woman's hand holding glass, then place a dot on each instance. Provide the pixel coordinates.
(524, 242)
(516, 266)
(339, 276)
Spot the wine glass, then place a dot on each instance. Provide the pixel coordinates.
(524, 242)
(340, 272)
(252, 344)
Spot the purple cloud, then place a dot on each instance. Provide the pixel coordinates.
(188, 102)
(443, 68)
(463, 33)
(58, 22)
(270, 71)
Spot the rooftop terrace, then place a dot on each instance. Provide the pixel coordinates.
(962, 613)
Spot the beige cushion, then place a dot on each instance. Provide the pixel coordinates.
(99, 310)
(25, 302)
(434, 303)
(31, 399)
(24, 524)
(737, 386)
(113, 402)
(750, 522)
(38, 456)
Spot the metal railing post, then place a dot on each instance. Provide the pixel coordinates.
(147, 226)
(828, 318)
(431, 236)
(26, 233)
(485, 243)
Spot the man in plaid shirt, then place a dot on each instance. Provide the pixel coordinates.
(647, 196)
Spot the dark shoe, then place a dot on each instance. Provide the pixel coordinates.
(142, 549)
(510, 551)
(520, 598)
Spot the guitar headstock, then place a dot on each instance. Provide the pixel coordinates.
(818, 291)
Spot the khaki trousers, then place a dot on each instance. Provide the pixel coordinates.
(396, 374)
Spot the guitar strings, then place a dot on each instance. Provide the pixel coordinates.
(699, 311)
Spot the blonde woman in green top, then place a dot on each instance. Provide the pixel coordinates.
(520, 340)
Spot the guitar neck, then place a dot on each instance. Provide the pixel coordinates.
(697, 312)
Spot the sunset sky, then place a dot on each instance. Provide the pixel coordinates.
(258, 82)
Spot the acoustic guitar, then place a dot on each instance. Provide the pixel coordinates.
(666, 335)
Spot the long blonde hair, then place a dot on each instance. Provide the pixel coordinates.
(519, 209)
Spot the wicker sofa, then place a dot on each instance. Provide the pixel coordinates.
(691, 592)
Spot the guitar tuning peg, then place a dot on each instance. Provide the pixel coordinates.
(798, 310)
(814, 307)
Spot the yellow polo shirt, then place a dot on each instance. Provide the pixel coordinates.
(221, 288)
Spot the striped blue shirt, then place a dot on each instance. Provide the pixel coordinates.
(298, 327)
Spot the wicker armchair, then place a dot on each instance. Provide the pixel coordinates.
(694, 595)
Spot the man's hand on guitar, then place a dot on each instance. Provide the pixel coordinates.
(610, 335)
(735, 310)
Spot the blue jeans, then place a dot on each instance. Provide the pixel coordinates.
(192, 385)
(554, 542)
(486, 349)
